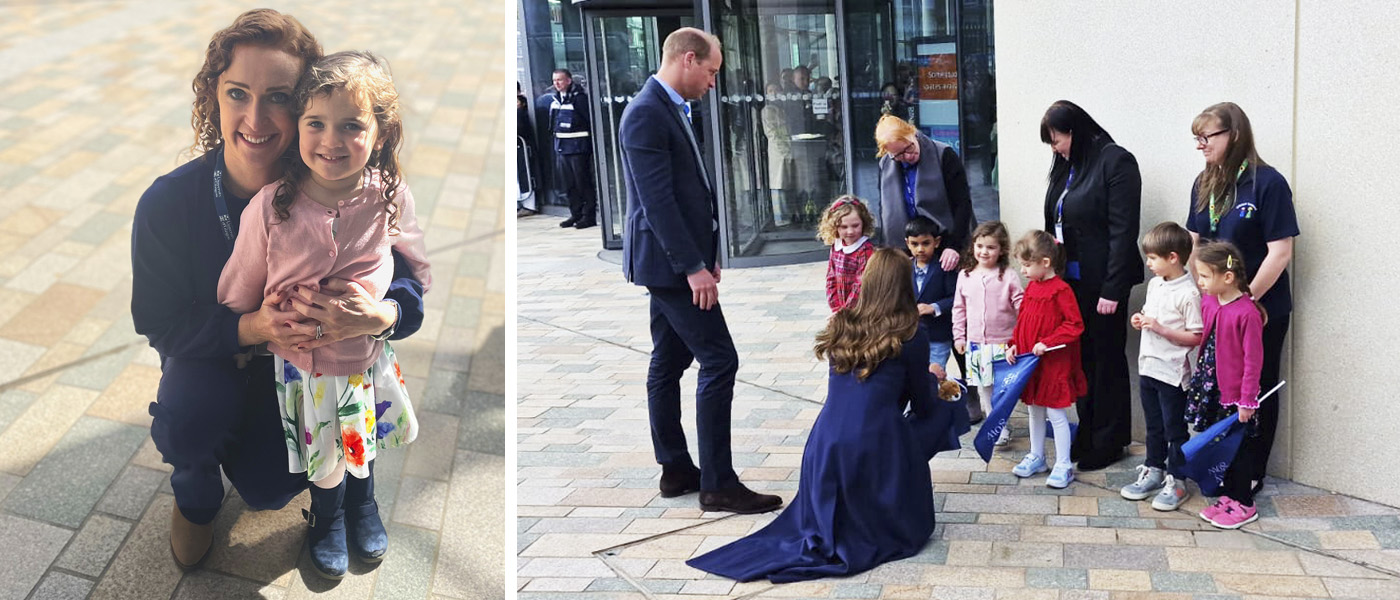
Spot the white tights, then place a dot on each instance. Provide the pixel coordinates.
(984, 396)
(1060, 421)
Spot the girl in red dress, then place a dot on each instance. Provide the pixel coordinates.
(1049, 317)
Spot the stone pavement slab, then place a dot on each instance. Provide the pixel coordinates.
(590, 524)
(96, 106)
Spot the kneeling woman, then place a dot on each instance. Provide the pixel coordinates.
(865, 495)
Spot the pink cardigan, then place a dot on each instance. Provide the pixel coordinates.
(270, 256)
(980, 307)
(1239, 347)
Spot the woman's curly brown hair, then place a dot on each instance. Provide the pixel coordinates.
(366, 78)
(873, 329)
(261, 27)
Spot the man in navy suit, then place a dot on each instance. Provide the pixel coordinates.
(670, 245)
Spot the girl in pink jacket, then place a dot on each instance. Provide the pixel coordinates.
(1226, 381)
(984, 309)
(338, 212)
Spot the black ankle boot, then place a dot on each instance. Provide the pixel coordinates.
(368, 539)
(326, 538)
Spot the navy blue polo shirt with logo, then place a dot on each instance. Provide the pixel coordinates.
(1262, 213)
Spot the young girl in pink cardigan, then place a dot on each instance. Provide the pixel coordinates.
(984, 309)
(338, 212)
(1226, 381)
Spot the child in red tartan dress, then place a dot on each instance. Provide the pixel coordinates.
(846, 227)
(1049, 317)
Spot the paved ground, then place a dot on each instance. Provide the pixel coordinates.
(591, 525)
(96, 104)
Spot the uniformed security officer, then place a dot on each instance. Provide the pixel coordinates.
(573, 149)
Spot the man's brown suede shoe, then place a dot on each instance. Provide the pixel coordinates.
(189, 543)
(739, 499)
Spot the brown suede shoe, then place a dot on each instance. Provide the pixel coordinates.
(740, 500)
(189, 543)
(679, 481)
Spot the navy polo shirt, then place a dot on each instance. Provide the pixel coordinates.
(1262, 213)
(178, 251)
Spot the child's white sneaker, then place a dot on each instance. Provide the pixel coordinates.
(1172, 495)
(1060, 477)
(1030, 465)
(1149, 480)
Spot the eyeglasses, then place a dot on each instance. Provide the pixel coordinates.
(906, 152)
(1205, 139)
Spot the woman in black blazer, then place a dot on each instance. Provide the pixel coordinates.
(1092, 206)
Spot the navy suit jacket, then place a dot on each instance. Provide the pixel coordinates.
(939, 288)
(671, 214)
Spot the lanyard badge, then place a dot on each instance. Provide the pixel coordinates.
(220, 205)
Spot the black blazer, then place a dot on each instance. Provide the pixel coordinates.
(1101, 222)
(939, 288)
(671, 213)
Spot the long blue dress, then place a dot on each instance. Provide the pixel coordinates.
(865, 496)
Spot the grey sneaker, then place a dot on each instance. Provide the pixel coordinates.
(1005, 437)
(1149, 480)
(1172, 495)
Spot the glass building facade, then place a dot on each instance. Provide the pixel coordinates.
(791, 123)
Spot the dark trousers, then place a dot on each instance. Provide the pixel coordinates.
(574, 180)
(682, 333)
(1252, 459)
(209, 414)
(1164, 412)
(1106, 412)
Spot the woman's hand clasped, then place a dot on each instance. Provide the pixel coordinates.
(950, 259)
(341, 310)
(272, 324)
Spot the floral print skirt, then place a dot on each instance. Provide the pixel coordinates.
(980, 358)
(326, 418)
(1203, 407)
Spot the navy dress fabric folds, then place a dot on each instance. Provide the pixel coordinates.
(865, 495)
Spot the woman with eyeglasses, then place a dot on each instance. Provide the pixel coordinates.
(1240, 199)
(1092, 205)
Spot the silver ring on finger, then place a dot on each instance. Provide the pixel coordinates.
(318, 331)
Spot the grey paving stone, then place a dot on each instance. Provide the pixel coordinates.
(1388, 538)
(13, 402)
(1093, 556)
(420, 502)
(934, 553)
(7, 483)
(1369, 522)
(470, 558)
(142, 568)
(444, 393)
(204, 583)
(98, 374)
(408, 566)
(856, 590)
(99, 227)
(31, 547)
(58, 585)
(94, 546)
(131, 492)
(994, 478)
(1174, 581)
(556, 459)
(1057, 578)
(1123, 522)
(1118, 507)
(388, 469)
(430, 455)
(1306, 539)
(71, 478)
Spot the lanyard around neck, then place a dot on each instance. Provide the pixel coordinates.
(220, 205)
(1060, 209)
(1216, 214)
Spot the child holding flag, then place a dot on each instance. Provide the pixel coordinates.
(1049, 317)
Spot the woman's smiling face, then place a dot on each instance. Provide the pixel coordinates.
(255, 109)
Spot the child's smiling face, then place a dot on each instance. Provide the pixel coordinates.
(987, 251)
(337, 137)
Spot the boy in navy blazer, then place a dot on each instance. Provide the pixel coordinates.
(933, 290)
(670, 245)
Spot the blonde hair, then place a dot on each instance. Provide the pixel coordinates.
(890, 129)
(1218, 181)
(1224, 257)
(1038, 244)
(366, 79)
(873, 329)
(839, 209)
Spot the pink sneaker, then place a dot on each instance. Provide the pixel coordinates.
(1234, 515)
(1210, 510)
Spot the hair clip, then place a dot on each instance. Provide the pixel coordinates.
(1229, 261)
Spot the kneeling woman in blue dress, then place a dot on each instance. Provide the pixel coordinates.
(865, 495)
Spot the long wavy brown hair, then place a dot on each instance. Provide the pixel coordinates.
(997, 231)
(1218, 181)
(366, 78)
(873, 329)
(261, 27)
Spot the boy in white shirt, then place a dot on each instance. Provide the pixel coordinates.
(1171, 326)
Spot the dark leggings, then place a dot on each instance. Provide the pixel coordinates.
(1252, 459)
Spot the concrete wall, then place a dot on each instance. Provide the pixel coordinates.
(1321, 83)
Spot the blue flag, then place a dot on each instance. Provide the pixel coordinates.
(1010, 382)
(1209, 453)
